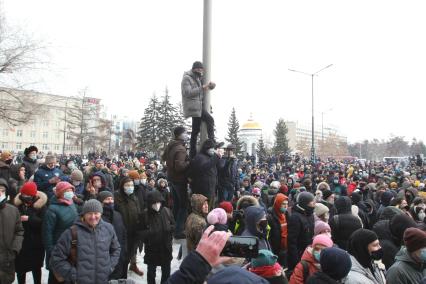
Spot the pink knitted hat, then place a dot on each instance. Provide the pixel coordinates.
(217, 215)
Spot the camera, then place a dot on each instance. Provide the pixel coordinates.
(239, 246)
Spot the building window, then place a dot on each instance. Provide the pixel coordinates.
(45, 148)
(57, 135)
(4, 145)
(56, 147)
(18, 146)
(45, 134)
(5, 132)
(58, 123)
(19, 133)
(45, 123)
(33, 134)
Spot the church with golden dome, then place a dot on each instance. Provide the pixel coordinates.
(250, 133)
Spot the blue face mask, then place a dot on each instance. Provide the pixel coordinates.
(68, 195)
(283, 209)
(316, 255)
(129, 190)
(423, 255)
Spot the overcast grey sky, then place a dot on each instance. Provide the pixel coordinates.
(126, 50)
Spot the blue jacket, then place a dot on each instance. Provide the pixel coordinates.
(98, 252)
(42, 177)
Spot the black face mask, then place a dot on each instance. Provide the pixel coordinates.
(377, 255)
(262, 225)
(26, 199)
(309, 210)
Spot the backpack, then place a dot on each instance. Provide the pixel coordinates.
(72, 258)
(305, 266)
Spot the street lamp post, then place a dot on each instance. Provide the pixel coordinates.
(313, 119)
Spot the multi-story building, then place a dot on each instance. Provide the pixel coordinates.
(250, 133)
(49, 125)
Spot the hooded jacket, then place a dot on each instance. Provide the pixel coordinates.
(344, 223)
(30, 167)
(98, 252)
(298, 272)
(196, 221)
(362, 275)
(176, 160)
(11, 235)
(192, 94)
(278, 223)
(237, 224)
(157, 232)
(387, 241)
(31, 255)
(405, 270)
(253, 215)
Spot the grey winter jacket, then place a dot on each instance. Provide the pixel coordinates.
(405, 270)
(11, 235)
(362, 275)
(98, 252)
(192, 95)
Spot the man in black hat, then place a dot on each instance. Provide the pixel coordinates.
(193, 89)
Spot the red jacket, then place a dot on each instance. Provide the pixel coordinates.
(297, 276)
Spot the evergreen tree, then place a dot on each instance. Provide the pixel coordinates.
(167, 121)
(148, 134)
(261, 150)
(281, 140)
(233, 129)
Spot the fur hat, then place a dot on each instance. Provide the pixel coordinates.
(30, 149)
(227, 206)
(134, 175)
(217, 215)
(5, 155)
(76, 175)
(320, 209)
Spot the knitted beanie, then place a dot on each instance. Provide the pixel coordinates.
(92, 205)
(320, 209)
(414, 239)
(322, 239)
(104, 195)
(321, 227)
(76, 175)
(61, 187)
(264, 258)
(217, 215)
(227, 206)
(335, 262)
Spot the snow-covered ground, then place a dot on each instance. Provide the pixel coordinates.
(174, 266)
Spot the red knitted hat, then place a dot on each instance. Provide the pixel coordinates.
(29, 188)
(227, 206)
(61, 187)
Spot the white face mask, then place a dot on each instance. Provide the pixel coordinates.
(129, 190)
(143, 181)
(136, 182)
(421, 215)
(210, 152)
(2, 197)
(156, 206)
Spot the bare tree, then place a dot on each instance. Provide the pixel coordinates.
(19, 53)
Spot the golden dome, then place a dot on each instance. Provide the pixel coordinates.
(251, 124)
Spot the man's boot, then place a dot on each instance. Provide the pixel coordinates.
(133, 267)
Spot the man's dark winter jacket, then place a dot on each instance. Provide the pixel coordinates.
(344, 223)
(98, 252)
(300, 234)
(176, 160)
(42, 177)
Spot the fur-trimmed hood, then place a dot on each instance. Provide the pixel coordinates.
(40, 202)
(247, 199)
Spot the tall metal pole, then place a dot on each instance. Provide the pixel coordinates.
(206, 61)
(313, 133)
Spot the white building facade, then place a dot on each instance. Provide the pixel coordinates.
(250, 133)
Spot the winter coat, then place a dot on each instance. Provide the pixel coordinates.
(11, 237)
(344, 223)
(192, 94)
(277, 230)
(387, 242)
(42, 177)
(158, 232)
(114, 218)
(228, 175)
(128, 206)
(203, 172)
(106, 178)
(362, 275)
(252, 216)
(300, 234)
(237, 224)
(405, 270)
(31, 256)
(298, 272)
(193, 270)
(320, 277)
(31, 167)
(196, 222)
(58, 217)
(177, 161)
(98, 252)
(6, 174)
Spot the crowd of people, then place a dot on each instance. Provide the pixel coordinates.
(86, 220)
(324, 222)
